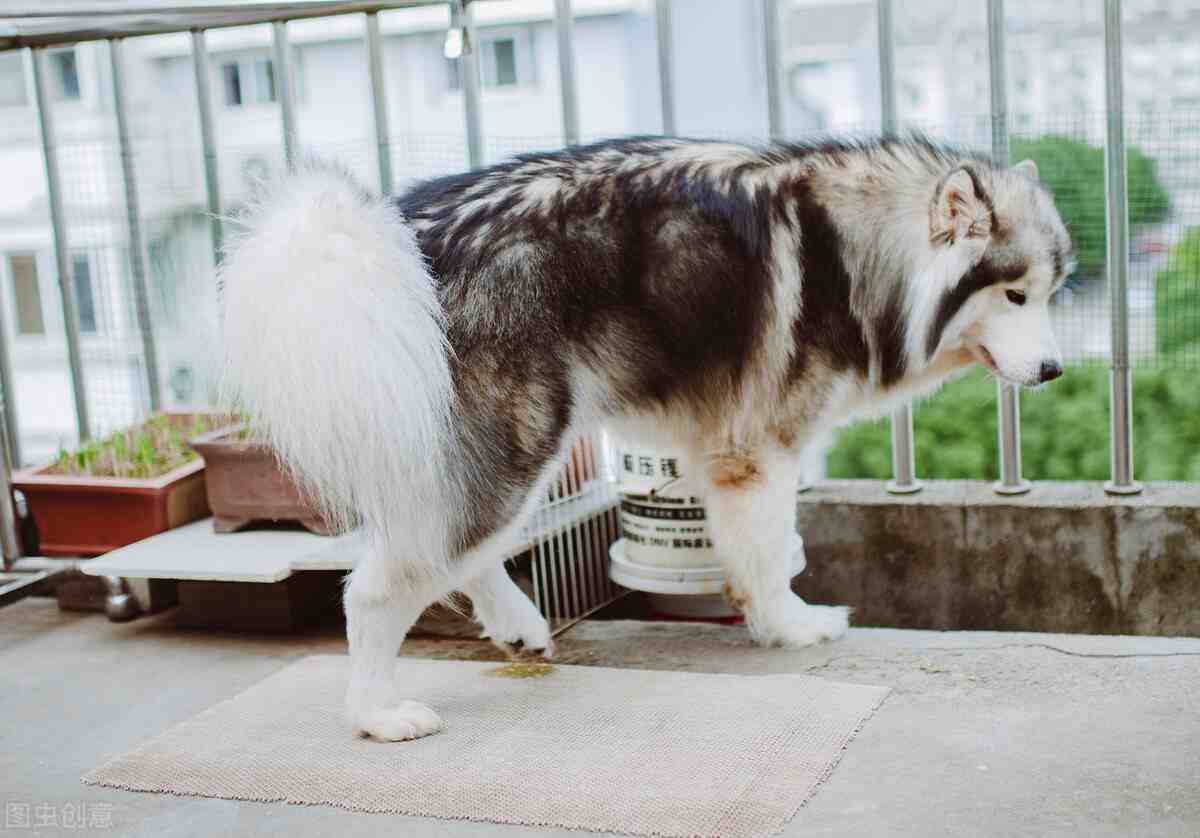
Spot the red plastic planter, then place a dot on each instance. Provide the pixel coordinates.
(87, 516)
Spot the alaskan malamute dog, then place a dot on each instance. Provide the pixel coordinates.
(422, 363)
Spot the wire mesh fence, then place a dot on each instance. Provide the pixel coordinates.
(1164, 206)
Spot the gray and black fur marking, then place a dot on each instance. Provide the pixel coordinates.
(658, 266)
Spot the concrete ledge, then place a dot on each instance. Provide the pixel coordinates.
(1065, 557)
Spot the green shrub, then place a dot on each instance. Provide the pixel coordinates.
(1177, 299)
(1074, 172)
(1064, 430)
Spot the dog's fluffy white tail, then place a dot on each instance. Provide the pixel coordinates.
(335, 347)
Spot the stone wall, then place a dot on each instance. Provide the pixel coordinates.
(1065, 557)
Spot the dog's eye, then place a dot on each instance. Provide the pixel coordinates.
(1015, 297)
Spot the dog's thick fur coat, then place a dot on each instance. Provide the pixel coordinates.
(422, 364)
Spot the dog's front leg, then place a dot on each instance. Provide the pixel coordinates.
(751, 504)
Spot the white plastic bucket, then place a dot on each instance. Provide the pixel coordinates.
(662, 518)
(666, 550)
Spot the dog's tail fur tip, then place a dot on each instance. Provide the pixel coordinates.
(335, 348)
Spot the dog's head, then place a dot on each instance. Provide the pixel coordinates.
(1005, 252)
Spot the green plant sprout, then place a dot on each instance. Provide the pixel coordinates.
(148, 450)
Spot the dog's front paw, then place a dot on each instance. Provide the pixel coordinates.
(790, 621)
(407, 720)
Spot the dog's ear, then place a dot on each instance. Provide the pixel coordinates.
(1027, 168)
(960, 208)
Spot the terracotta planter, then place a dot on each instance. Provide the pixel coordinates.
(245, 484)
(87, 516)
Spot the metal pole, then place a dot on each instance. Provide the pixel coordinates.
(771, 51)
(468, 64)
(58, 223)
(1117, 259)
(904, 468)
(137, 257)
(998, 77)
(383, 145)
(666, 76)
(212, 178)
(8, 392)
(283, 86)
(564, 24)
(10, 546)
(887, 66)
(1008, 404)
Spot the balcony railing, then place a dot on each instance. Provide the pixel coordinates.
(47, 24)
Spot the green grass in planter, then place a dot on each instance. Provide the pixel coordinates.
(148, 450)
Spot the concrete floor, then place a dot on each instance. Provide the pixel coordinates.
(984, 734)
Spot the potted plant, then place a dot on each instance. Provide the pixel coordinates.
(120, 489)
(245, 483)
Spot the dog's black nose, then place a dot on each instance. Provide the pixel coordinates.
(1050, 371)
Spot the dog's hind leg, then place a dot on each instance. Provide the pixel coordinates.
(751, 506)
(508, 616)
(386, 595)
(382, 603)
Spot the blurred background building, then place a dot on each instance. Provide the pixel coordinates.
(830, 83)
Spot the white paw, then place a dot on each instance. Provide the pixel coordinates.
(790, 621)
(522, 629)
(407, 720)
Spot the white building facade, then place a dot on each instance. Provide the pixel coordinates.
(830, 79)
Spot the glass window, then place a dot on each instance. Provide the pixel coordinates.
(264, 81)
(12, 80)
(85, 300)
(27, 296)
(504, 56)
(231, 79)
(65, 69)
(163, 277)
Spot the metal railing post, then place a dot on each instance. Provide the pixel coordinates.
(8, 392)
(1116, 217)
(62, 257)
(137, 256)
(10, 545)
(887, 66)
(283, 87)
(771, 52)
(564, 25)
(383, 145)
(904, 470)
(212, 177)
(666, 74)
(468, 64)
(1008, 404)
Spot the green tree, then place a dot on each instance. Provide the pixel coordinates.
(1177, 299)
(1074, 172)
